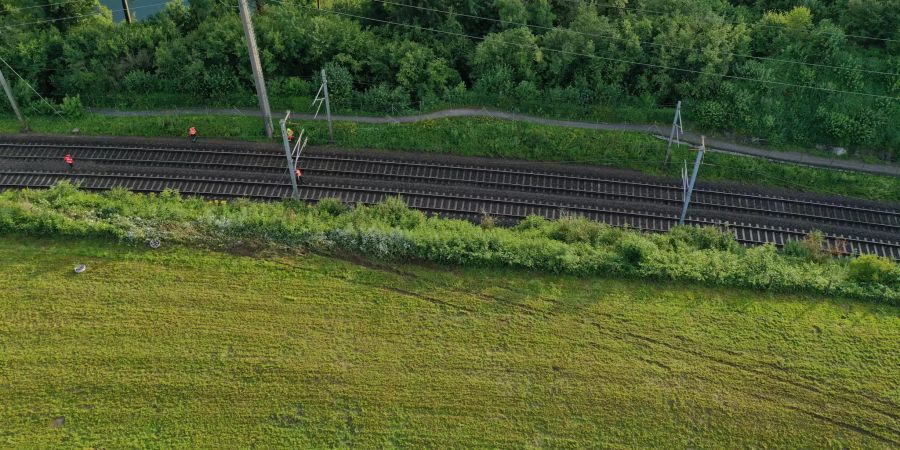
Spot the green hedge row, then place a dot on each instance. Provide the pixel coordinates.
(391, 231)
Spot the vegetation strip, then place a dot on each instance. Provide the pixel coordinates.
(459, 186)
(391, 231)
(658, 131)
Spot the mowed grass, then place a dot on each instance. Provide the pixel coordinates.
(190, 348)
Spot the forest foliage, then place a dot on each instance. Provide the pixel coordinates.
(800, 72)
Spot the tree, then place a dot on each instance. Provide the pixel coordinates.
(515, 48)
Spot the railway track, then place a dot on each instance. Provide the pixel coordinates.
(447, 188)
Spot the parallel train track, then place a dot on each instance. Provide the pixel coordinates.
(508, 193)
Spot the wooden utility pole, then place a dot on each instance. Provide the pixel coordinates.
(12, 101)
(257, 68)
(126, 11)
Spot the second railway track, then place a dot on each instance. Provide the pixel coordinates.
(261, 173)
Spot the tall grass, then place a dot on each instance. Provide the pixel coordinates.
(391, 231)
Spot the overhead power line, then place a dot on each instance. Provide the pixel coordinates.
(35, 91)
(47, 5)
(657, 66)
(100, 13)
(609, 36)
(626, 8)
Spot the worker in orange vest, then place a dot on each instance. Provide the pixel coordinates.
(193, 134)
(69, 160)
(290, 134)
(299, 175)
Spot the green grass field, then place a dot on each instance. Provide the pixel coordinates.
(190, 348)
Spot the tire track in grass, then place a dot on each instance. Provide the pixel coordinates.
(646, 340)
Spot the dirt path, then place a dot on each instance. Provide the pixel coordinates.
(655, 130)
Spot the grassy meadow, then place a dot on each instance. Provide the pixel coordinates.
(183, 348)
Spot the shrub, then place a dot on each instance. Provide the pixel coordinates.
(635, 249)
(331, 206)
(290, 86)
(139, 81)
(712, 114)
(394, 212)
(72, 107)
(392, 230)
(340, 83)
(703, 238)
(488, 221)
(382, 98)
(873, 269)
(572, 229)
(813, 247)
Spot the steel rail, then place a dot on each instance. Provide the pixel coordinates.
(467, 205)
(525, 180)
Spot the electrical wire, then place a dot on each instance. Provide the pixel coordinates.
(652, 65)
(608, 36)
(856, 36)
(80, 16)
(41, 6)
(36, 92)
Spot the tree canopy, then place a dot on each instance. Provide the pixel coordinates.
(791, 71)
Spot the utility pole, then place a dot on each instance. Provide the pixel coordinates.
(287, 154)
(126, 11)
(257, 68)
(12, 101)
(678, 127)
(327, 108)
(690, 187)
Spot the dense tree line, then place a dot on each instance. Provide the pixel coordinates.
(772, 68)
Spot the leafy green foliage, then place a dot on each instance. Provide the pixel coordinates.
(771, 70)
(391, 231)
(72, 107)
(874, 269)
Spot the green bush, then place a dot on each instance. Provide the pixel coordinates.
(873, 269)
(813, 247)
(635, 249)
(331, 206)
(390, 230)
(72, 107)
(702, 238)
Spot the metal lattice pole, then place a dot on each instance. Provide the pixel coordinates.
(690, 189)
(327, 108)
(295, 192)
(676, 128)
